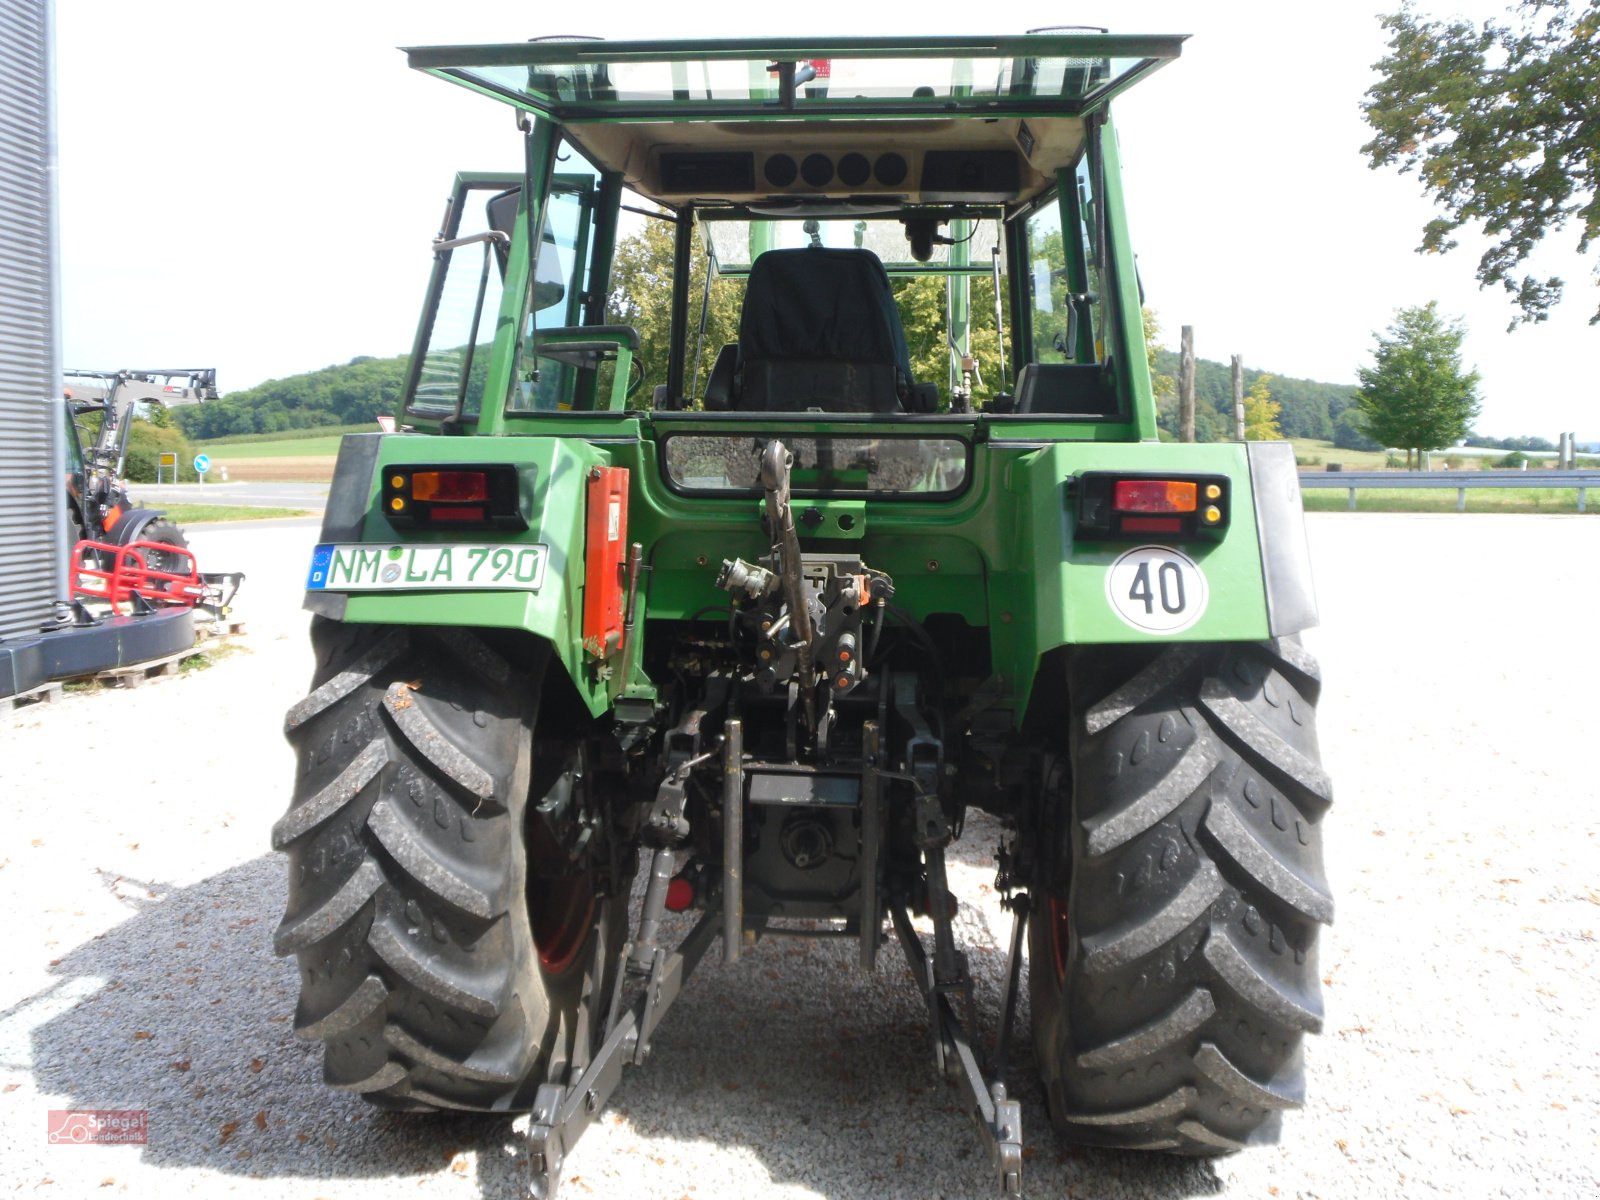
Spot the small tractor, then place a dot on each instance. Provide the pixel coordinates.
(120, 551)
(766, 631)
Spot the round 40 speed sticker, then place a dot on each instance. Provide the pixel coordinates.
(1157, 589)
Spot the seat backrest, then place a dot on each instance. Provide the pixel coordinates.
(820, 329)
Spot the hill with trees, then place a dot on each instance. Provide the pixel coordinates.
(353, 393)
(1308, 409)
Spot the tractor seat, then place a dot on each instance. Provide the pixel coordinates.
(819, 330)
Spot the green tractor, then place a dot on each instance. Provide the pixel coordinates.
(765, 630)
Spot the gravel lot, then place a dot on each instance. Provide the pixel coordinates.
(1461, 1056)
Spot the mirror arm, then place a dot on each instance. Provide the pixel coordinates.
(493, 236)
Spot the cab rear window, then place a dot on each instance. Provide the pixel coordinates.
(728, 464)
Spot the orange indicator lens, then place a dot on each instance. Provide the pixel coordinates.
(1154, 496)
(458, 486)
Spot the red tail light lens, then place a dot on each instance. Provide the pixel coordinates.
(450, 487)
(1154, 496)
(467, 497)
(1151, 525)
(1125, 506)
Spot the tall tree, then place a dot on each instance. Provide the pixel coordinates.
(1502, 125)
(1261, 412)
(641, 296)
(1416, 395)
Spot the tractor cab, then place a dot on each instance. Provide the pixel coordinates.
(965, 178)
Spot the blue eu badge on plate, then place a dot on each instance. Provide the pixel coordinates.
(320, 559)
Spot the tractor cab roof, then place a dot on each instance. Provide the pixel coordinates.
(865, 121)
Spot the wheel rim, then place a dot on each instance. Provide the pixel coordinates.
(1056, 914)
(560, 909)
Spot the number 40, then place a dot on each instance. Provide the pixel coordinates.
(1168, 588)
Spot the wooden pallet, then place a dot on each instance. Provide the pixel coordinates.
(45, 693)
(134, 674)
(221, 630)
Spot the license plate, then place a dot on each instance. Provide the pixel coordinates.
(374, 567)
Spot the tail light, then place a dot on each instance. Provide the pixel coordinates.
(454, 497)
(1128, 506)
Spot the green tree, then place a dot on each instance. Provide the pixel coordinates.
(1502, 127)
(1261, 412)
(1350, 434)
(350, 394)
(641, 297)
(1416, 396)
(921, 301)
(146, 442)
(1165, 387)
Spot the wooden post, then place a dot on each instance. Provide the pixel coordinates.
(1186, 386)
(1238, 396)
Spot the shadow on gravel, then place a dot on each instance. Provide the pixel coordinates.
(795, 1059)
(825, 1077)
(185, 1011)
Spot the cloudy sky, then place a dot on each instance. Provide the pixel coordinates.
(253, 186)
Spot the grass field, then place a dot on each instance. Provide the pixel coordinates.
(1316, 454)
(1443, 500)
(200, 514)
(315, 446)
(291, 435)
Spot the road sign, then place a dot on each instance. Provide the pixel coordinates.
(167, 460)
(202, 464)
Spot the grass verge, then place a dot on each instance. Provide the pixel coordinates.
(199, 514)
(1443, 500)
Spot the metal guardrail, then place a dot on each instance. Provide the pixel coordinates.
(1353, 481)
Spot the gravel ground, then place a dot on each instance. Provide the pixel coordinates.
(1461, 1057)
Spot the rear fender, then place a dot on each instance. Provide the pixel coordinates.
(552, 472)
(131, 524)
(1256, 575)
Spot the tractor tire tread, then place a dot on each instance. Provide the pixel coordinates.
(407, 879)
(1176, 976)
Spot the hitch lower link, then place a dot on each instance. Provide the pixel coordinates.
(563, 1111)
(944, 976)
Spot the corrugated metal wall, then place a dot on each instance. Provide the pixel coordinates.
(32, 505)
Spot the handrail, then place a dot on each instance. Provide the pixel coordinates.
(1353, 481)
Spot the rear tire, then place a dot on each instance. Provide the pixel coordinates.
(165, 533)
(1173, 964)
(409, 883)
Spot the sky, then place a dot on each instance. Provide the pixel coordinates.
(254, 187)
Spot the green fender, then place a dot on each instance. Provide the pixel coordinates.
(553, 472)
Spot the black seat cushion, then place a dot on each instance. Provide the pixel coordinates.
(820, 329)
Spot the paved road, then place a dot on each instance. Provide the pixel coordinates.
(310, 496)
(1462, 975)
